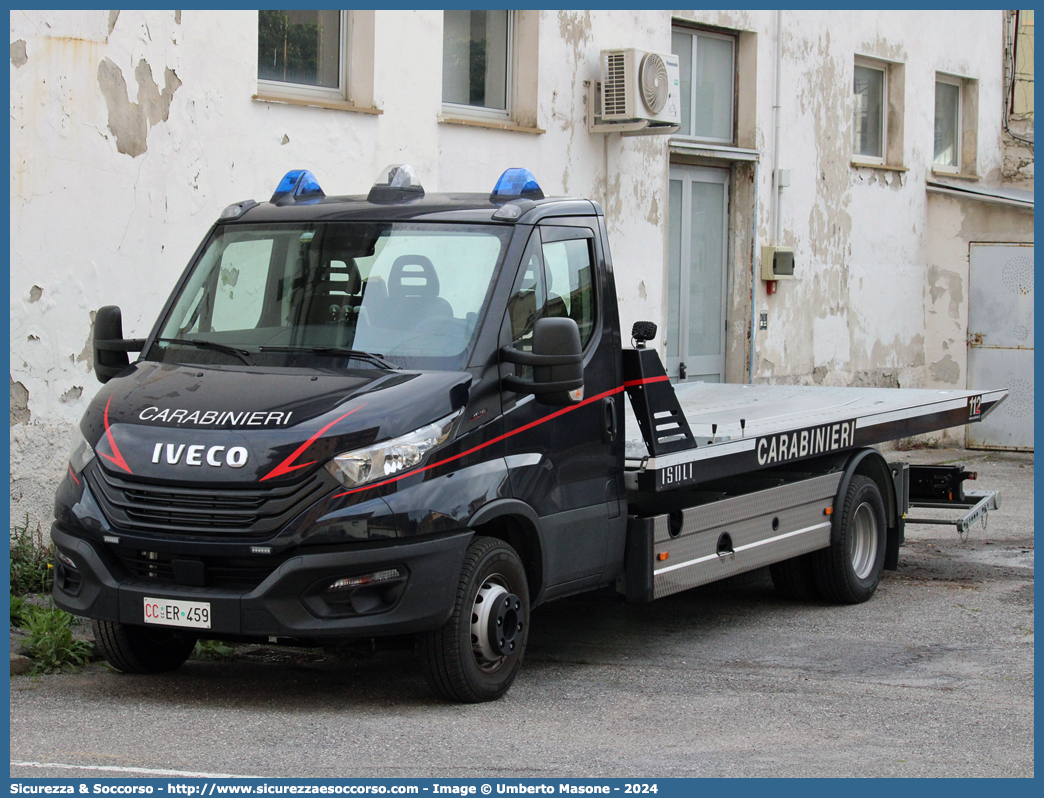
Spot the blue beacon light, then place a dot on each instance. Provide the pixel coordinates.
(297, 185)
(516, 183)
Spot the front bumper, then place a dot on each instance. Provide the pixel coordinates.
(287, 602)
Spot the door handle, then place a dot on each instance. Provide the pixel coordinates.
(608, 420)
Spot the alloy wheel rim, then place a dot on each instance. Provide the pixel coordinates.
(863, 545)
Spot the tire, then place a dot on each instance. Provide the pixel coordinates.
(795, 578)
(141, 649)
(847, 572)
(462, 661)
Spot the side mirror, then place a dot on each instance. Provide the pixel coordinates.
(557, 361)
(110, 347)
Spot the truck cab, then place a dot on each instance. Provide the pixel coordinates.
(341, 397)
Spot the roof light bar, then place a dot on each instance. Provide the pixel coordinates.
(397, 183)
(516, 183)
(297, 185)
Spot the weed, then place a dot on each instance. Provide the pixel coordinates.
(31, 570)
(51, 645)
(212, 650)
(18, 611)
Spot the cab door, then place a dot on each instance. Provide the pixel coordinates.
(563, 460)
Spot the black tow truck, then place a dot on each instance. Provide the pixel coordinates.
(402, 413)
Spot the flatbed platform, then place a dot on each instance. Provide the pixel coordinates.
(761, 426)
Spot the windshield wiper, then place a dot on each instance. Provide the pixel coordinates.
(358, 354)
(229, 350)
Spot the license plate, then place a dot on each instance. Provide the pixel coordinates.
(174, 612)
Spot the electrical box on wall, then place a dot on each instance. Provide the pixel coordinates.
(777, 263)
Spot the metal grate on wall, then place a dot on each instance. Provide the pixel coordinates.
(614, 85)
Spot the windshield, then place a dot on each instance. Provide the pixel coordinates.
(323, 294)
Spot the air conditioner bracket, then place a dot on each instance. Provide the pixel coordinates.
(629, 127)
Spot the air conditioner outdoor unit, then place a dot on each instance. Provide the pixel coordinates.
(640, 86)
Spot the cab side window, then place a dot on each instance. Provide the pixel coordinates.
(570, 283)
(528, 296)
(556, 278)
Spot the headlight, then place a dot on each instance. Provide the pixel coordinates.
(81, 453)
(390, 457)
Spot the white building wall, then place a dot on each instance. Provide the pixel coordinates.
(109, 198)
(857, 312)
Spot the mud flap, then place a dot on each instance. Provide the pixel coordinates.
(637, 580)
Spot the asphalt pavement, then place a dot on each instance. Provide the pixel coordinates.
(931, 677)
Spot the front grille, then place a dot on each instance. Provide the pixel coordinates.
(166, 508)
(211, 513)
(225, 572)
(614, 85)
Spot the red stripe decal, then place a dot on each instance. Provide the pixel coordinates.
(632, 383)
(117, 460)
(523, 428)
(71, 474)
(285, 467)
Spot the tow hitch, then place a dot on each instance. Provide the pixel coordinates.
(942, 488)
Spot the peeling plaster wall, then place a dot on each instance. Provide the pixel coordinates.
(131, 130)
(1018, 157)
(856, 314)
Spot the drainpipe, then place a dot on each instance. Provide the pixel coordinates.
(776, 189)
(777, 112)
(753, 274)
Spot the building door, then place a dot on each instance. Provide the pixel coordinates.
(1000, 342)
(696, 273)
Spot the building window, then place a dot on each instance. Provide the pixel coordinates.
(947, 124)
(869, 93)
(956, 125)
(303, 54)
(877, 113)
(477, 63)
(707, 63)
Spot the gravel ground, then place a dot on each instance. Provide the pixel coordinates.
(932, 677)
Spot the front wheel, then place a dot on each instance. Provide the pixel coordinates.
(142, 649)
(848, 571)
(476, 655)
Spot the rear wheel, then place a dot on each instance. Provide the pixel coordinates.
(476, 655)
(848, 571)
(140, 649)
